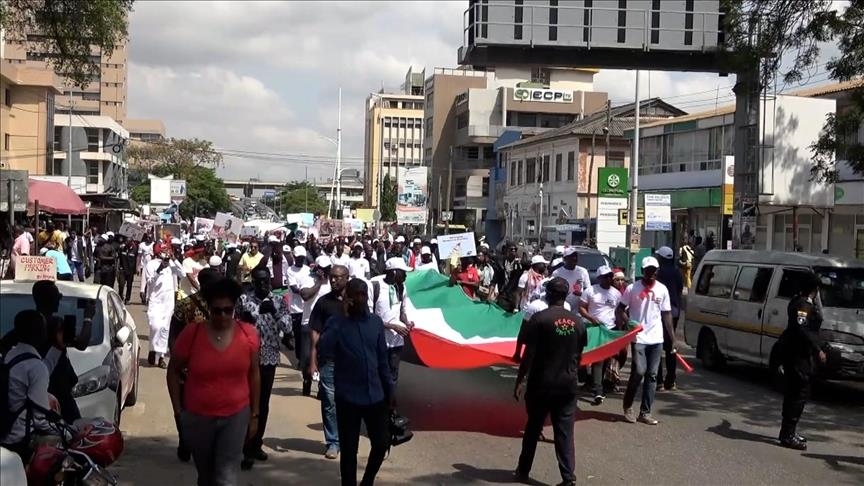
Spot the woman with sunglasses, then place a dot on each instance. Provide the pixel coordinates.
(218, 407)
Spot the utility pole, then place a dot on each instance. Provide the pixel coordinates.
(439, 204)
(68, 155)
(306, 185)
(380, 158)
(339, 159)
(449, 188)
(633, 226)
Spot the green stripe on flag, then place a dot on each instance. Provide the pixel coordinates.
(471, 319)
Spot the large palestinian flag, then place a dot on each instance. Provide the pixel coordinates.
(454, 332)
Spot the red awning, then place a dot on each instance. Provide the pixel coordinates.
(54, 198)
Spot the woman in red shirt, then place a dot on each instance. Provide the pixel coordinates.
(467, 276)
(218, 407)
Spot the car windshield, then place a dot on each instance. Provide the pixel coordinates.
(592, 261)
(12, 304)
(841, 287)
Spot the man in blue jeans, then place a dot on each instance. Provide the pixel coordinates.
(647, 303)
(329, 305)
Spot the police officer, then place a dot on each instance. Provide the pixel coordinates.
(800, 348)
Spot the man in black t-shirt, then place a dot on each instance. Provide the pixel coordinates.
(553, 350)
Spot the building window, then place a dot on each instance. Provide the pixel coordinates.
(461, 187)
(92, 171)
(472, 153)
(530, 170)
(7, 97)
(545, 168)
(57, 166)
(616, 159)
(6, 141)
(512, 173)
(462, 121)
(519, 174)
(92, 139)
(485, 189)
(558, 167)
(541, 75)
(58, 139)
(571, 166)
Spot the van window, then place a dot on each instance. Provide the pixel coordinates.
(717, 280)
(752, 285)
(841, 287)
(789, 283)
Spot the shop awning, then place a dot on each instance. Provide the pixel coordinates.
(54, 198)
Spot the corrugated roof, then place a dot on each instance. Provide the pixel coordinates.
(824, 89)
(594, 123)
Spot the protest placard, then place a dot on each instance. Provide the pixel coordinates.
(133, 231)
(32, 268)
(203, 226)
(462, 244)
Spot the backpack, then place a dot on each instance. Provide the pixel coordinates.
(9, 416)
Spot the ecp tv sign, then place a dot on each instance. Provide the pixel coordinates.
(542, 95)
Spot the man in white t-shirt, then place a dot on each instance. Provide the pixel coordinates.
(598, 305)
(339, 257)
(191, 267)
(358, 267)
(388, 293)
(575, 275)
(529, 288)
(646, 302)
(427, 260)
(313, 286)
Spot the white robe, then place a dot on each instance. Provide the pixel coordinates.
(162, 287)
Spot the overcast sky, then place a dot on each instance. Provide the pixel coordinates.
(263, 77)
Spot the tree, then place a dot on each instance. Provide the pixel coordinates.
(767, 30)
(301, 197)
(193, 160)
(388, 199)
(67, 30)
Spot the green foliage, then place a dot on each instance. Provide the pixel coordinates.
(768, 31)
(388, 199)
(67, 30)
(301, 197)
(193, 160)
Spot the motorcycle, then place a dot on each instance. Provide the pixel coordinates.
(82, 460)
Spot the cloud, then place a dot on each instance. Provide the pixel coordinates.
(691, 92)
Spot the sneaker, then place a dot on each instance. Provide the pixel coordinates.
(630, 415)
(332, 452)
(646, 418)
(801, 438)
(794, 443)
(598, 399)
(162, 364)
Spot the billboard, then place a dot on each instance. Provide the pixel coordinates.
(412, 195)
(612, 182)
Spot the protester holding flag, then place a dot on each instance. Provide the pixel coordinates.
(598, 306)
(575, 275)
(467, 276)
(528, 288)
(647, 303)
(554, 343)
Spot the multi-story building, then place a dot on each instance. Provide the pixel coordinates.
(26, 115)
(352, 186)
(142, 130)
(561, 164)
(393, 135)
(466, 111)
(98, 164)
(685, 156)
(105, 95)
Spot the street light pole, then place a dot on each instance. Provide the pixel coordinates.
(339, 159)
(633, 226)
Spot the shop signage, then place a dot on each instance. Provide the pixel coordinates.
(542, 95)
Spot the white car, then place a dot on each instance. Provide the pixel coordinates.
(11, 468)
(108, 369)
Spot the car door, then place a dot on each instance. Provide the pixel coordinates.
(712, 300)
(747, 311)
(783, 288)
(123, 355)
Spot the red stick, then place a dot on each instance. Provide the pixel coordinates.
(684, 363)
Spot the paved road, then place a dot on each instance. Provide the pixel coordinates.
(720, 428)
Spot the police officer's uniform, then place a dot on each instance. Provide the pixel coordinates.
(800, 346)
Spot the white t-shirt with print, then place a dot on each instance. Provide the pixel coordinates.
(296, 277)
(537, 306)
(602, 303)
(358, 267)
(579, 275)
(191, 267)
(307, 283)
(647, 311)
(388, 308)
(343, 260)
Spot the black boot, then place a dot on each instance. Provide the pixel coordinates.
(151, 358)
(789, 439)
(307, 388)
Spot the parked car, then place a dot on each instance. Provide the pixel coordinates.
(108, 369)
(589, 258)
(737, 307)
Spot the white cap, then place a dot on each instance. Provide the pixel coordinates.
(417, 240)
(231, 245)
(105, 237)
(176, 241)
(110, 234)
(538, 259)
(425, 251)
(433, 241)
(559, 249)
(286, 248)
(650, 261)
(604, 270)
(356, 244)
(557, 261)
(299, 251)
(272, 239)
(323, 262)
(400, 239)
(395, 263)
(619, 274)
(199, 237)
(215, 261)
(43, 251)
(665, 252)
(569, 251)
(484, 245)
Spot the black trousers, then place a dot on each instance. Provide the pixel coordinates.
(268, 374)
(562, 408)
(124, 281)
(598, 371)
(377, 420)
(106, 277)
(671, 360)
(181, 443)
(795, 395)
(394, 356)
